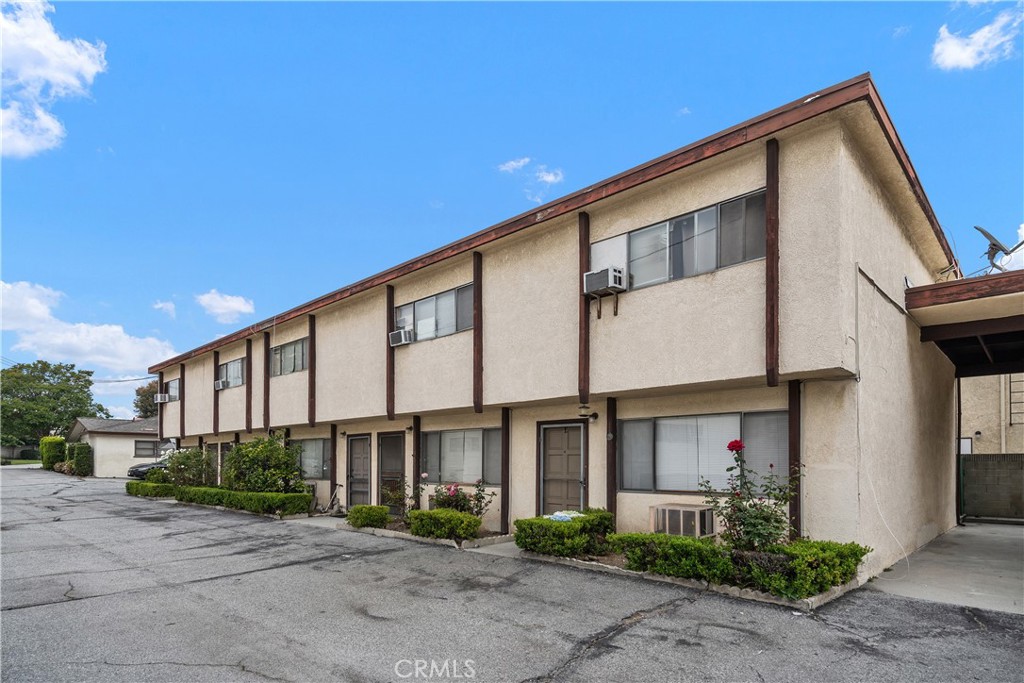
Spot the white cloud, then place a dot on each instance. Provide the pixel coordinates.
(1015, 261)
(167, 307)
(684, 111)
(513, 165)
(435, 204)
(225, 308)
(120, 412)
(547, 177)
(989, 44)
(27, 311)
(900, 31)
(40, 67)
(115, 386)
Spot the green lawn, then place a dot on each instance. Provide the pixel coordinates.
(21, 462)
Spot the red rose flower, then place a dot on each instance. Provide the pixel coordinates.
(735, 446)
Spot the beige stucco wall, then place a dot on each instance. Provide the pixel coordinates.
(232, 401)
(113, 454)
(199, 376)
(289, 394)
(350, 350)
(435, 374)
(531, 310)
(986, 408)
(170, 415)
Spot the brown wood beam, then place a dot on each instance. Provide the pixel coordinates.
(160, 407)
(334, 461)
(266, 381)
(248, 386)
(311, 373)
(216, 395)
(583, 361)
(988, 369)
(506, 474)
(417, 457)
(389, 365)
(181, 401)
(478, 332)
(955, 291)
(795, 458)
(771, 307)
(973, 328)
(612, 454)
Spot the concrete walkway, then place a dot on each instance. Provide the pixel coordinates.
(978, 565)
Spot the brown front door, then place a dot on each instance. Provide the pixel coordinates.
(391, 448)
(358, 470)
(562, 482)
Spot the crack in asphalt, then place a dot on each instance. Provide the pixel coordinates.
(602, 638)
(240, 666)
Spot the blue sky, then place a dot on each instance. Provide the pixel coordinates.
(175, 171)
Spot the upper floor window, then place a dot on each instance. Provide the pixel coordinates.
(439, 315)
(171, 389)
(288, 358)
(695, 243)
(462, 456)
(673, 454)
(232, 373)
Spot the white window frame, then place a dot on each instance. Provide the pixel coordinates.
(284, 356)
(413, 316)
(232, 379)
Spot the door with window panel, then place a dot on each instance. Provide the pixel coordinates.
(562, 465)
(358, 470)
(391, 448)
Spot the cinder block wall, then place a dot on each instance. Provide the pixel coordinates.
(994, 485)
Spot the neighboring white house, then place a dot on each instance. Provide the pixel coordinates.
(117, 444)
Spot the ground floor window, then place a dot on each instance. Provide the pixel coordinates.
(462, 456)
(146, 449)
(673, 454)
(314, 458)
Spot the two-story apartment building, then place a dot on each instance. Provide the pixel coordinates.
(764, 271)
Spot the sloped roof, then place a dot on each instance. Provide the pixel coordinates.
(147, 426)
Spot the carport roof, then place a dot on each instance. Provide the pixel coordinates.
(94, 425)
(977, 322)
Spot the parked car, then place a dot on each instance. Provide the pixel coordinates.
(139, 471)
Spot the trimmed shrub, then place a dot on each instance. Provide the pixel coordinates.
(375, 516)
(80, 455)
(812, 567)
(51, 451)
(681, 556)
(158, 475)
(149, 489)
(263, 465)
(443, 523)
(264, 503)
(583, 535)
(191, 467)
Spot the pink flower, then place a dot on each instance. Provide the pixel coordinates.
(424, 475)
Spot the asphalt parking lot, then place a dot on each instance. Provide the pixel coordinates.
(100, 586)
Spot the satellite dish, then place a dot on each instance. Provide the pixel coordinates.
(995, 248)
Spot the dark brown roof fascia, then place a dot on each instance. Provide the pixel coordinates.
(769, 123)
(955, 291)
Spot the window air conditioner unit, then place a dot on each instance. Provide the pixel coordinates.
(607, 281)
(696, 521)
(161, 398)
(400, 337)
(220, 384)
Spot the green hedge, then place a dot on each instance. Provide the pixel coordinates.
(797, 570)
(813, 568)
(81, 455)
(51, 451)
(375, 516)
(443, 523)
(150, 490)
(583, 535)
(280, 504)
(681, 556)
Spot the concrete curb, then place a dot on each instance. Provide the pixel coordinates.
(805, 605)
(388, 533)
(226, 509)
(486, 541)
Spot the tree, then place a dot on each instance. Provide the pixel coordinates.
(144, 405)
(43, 399)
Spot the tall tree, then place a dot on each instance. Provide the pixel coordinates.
(144, 405)
(42, 399)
